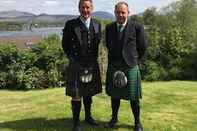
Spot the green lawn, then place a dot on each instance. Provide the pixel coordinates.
(166, 106)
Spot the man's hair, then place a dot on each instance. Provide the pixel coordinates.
(121, 3)
(80, 1)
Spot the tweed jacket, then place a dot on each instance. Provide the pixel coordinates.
(134, 43)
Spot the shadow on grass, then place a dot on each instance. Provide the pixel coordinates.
(42, 124)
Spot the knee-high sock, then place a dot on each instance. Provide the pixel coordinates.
(135, 106)
(115, 104)
(76, 108)
(87, 101)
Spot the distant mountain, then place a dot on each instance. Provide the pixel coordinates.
(15, 14)
(103, 15)
(53, 18)
(44, 20)
(24, 16)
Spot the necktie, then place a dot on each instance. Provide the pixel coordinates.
(120, 27)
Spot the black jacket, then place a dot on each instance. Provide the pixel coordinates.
(134, 43)
(72, 42)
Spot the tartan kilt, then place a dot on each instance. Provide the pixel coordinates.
(133, 89)
(75, 88)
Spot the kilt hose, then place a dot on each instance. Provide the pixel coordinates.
(133, 89)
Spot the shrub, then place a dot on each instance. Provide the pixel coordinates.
(43, 66)
(152, 71)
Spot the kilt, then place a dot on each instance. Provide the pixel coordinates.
(133, 89)
(75, 88)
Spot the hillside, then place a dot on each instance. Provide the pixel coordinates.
(14, 15)
(103, 15)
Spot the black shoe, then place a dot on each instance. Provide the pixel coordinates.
(112, 123)
(76, 128)
(91, 121)
(138, 127)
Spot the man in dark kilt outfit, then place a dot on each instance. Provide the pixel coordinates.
(126, 46)
(81, 37)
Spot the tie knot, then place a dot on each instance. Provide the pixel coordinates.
(120, 27)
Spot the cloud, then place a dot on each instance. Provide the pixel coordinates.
(50, 3)
(71, 6)
(135, 6)
(8, 1)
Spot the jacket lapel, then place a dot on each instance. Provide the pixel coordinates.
(126, 33)
(95, 25)
(115, 32)
(78, 30)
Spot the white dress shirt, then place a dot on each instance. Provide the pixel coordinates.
(86, 21)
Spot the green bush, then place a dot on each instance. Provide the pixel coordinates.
(152, 71)
(190, 69)
(11, 26)
(3, 82)
(43, 66)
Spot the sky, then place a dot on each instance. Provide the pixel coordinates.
(71, 6)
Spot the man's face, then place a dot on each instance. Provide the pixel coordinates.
(86, 9)
(121, 13)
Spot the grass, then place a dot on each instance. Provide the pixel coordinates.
(166, 106)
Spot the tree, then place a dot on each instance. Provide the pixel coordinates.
(172, 40)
